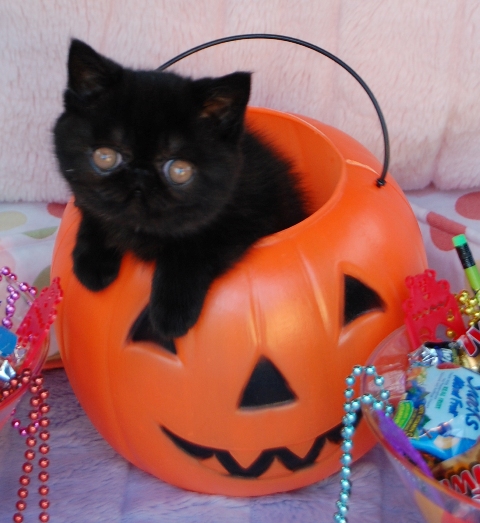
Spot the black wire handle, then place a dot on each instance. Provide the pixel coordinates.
(260, 36)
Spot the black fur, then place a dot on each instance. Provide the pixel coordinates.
(241, 189)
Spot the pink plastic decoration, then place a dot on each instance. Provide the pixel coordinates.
(39, 318)
(431, 305)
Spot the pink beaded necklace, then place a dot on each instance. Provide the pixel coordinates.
(22, 353)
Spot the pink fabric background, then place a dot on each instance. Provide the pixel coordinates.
(420, 58)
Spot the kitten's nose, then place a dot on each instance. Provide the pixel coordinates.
(140, 181)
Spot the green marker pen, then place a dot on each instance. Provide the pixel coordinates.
(465, 254)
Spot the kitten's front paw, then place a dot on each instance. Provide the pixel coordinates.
(96, 272)
(172, 320)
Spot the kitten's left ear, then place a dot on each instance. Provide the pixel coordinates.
(89, 73)
(224, 99)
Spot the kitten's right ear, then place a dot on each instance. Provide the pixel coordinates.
(89, 73)
(223, 100)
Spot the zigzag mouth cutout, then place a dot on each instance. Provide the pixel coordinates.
(289, 459)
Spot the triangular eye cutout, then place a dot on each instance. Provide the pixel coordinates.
(266, 387)
(359, 299)
(142, 331)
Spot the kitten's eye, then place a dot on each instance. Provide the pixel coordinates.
(106, 159)
(179, 172)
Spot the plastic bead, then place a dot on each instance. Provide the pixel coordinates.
(385, 395)
(24, 481)
(342, 508)
(357, 370)
(27, 468)
(367, 399)
(349, 393)
(44, 462)
(350, 418)
(350, 381)
(7, 323)
(348, 432)
(43, 476)
(356, 404)
(22, 492)
(43, 490)
(10, 311)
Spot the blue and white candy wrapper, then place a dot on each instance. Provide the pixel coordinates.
(7, 372)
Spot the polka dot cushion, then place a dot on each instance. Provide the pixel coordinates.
(442, 215)
(27, 236)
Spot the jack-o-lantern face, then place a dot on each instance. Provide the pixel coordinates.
(264, 387)
(250, 400)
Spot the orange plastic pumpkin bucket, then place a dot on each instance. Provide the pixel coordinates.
(302, 307)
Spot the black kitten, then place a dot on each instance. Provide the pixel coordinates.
(162, 166)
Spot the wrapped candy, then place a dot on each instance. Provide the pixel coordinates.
(440, 411)
(433, 353)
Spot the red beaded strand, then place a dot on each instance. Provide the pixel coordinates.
(36, 429)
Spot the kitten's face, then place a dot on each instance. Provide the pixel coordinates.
(152, 151)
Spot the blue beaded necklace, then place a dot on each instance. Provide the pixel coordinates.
(351, 407)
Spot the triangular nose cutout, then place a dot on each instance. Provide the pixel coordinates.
(266, 387)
